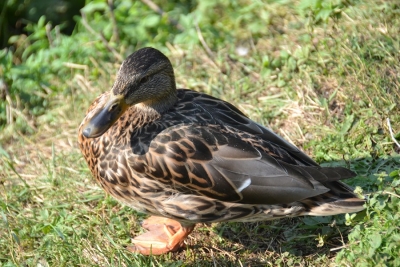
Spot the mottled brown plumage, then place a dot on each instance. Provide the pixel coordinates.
(193, 158)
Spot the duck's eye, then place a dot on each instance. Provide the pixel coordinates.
(144, 80)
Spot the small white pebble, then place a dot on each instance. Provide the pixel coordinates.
(242, 51)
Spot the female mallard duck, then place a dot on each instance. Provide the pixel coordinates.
(189, 158)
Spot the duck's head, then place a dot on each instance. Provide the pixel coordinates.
(146, 79)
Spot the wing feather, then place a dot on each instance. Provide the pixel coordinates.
(219, 164)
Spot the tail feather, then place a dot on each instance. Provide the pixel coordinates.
(349, 205)
(340, 199)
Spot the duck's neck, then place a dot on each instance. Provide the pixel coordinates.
(158, 106)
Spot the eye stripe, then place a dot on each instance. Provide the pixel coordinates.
(144, 79)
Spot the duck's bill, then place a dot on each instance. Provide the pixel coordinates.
(105, 118)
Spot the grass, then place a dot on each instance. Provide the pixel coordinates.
(325, 77)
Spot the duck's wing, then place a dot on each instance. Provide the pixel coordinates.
(213, 161)
(231, 117)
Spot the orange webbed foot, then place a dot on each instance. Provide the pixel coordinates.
(163, 235)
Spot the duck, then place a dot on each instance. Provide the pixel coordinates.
(185, 157)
